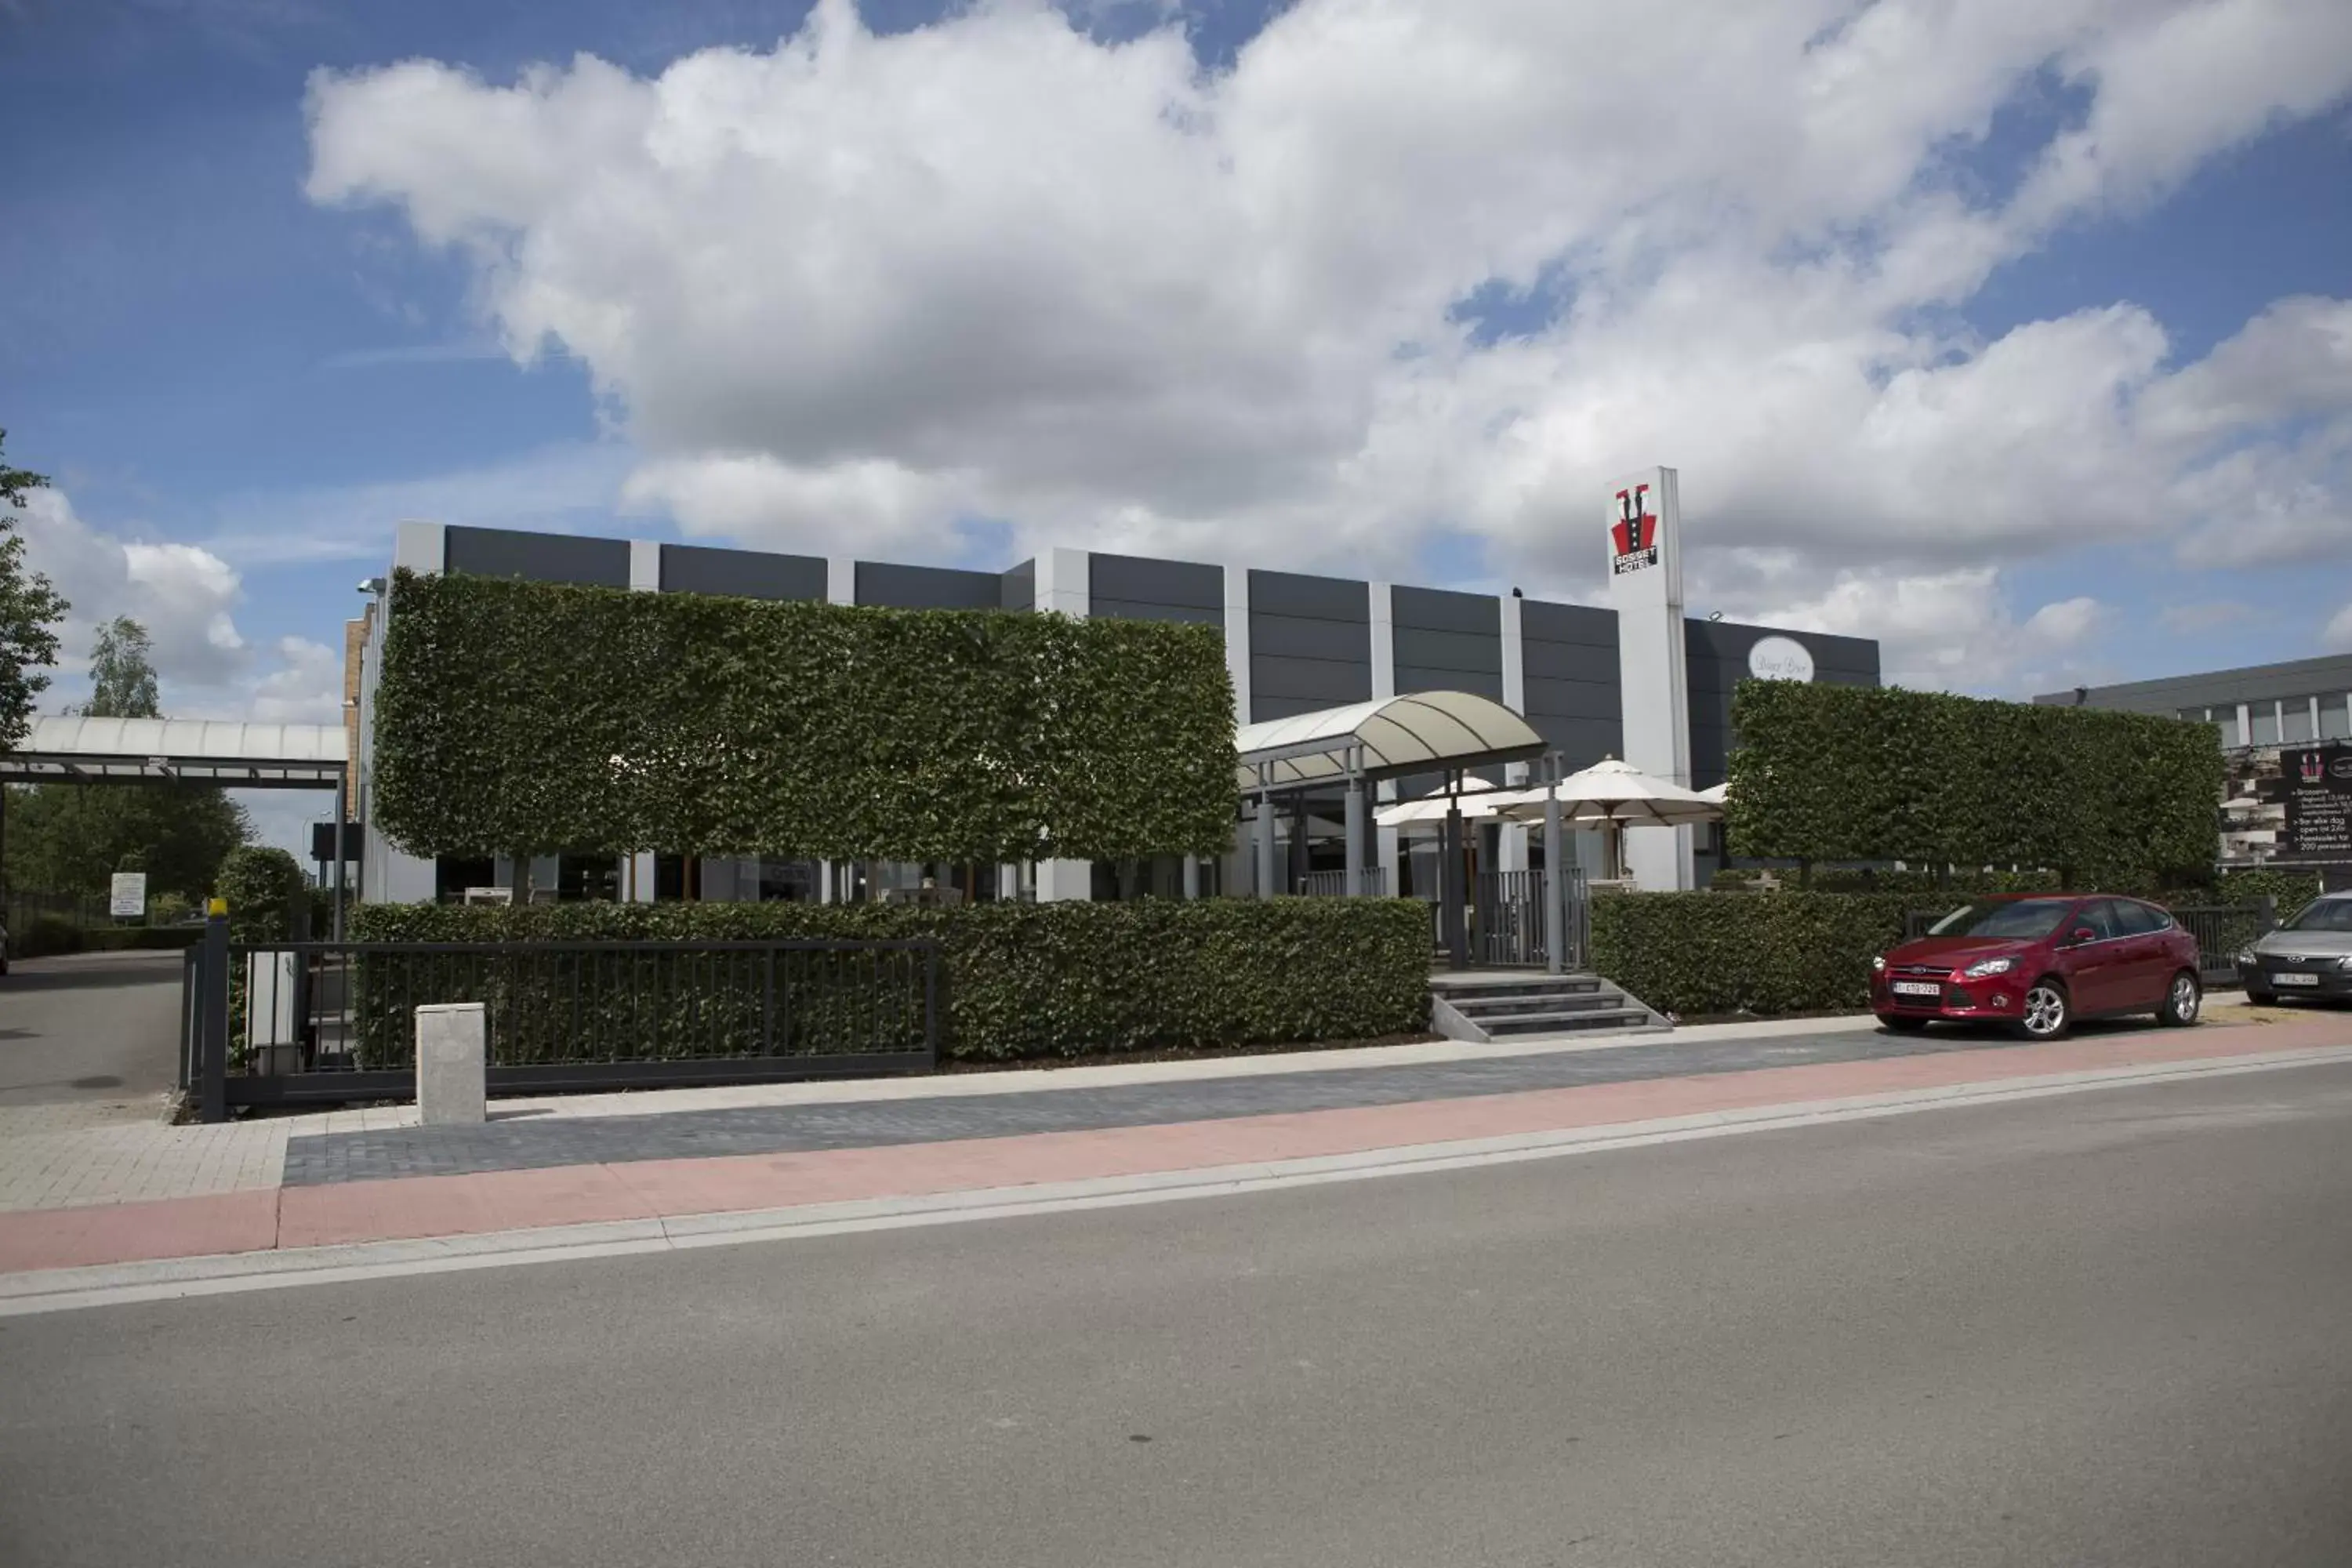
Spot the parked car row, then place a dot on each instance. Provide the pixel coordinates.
(2039, 962)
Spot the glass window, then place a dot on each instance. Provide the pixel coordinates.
(2028, 919)
(2324, 914)
(2266, 722)
(2135, 918)
(2227, 723)
(2294, 714)
(2334, 717)
(2100, 916)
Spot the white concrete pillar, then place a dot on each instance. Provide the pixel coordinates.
(452, 1063)
(1237, 640)
(1383, 610)
(645, 566)
(388, 874)
(1640, 540)
(1512, 844)
(1064, 587)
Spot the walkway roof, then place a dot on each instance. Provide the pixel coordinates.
(196, 750)
(1419, 732)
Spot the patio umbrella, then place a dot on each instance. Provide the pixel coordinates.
(1431, 808)
(1614, 795)
(1718, 795)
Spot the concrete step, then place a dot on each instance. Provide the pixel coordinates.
(1560, 1023)
(1484, 1007)
(1458, 990)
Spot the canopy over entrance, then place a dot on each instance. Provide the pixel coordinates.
(1420, 732)
(192, 751)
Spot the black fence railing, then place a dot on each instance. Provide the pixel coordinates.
(1504, 920)
(1334, 884)
(293, 1022)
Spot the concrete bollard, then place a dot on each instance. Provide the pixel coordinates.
(452, 1063)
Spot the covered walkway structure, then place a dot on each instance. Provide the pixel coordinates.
(1364, 743)
(189, 750)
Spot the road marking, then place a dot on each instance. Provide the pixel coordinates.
(68, 1289)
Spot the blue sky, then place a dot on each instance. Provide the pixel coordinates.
(202, 351)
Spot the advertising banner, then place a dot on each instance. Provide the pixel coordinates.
(126, 898)
(2317, 780)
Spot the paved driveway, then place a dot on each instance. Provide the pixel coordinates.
(94, 1030)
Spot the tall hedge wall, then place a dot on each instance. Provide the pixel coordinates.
(1045, 980)
(519, 717)
(1767, 953)
(1849, 773)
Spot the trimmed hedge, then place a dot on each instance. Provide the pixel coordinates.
(1856, 772)
(1766, 953)
(1020, 980)
(518, 717)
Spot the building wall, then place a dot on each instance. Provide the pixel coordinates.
(1297, 642)
(2262, 705)
(1310, 642)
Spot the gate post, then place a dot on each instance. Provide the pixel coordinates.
(1555, 881)
(211, 1016)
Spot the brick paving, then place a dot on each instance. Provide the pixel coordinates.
(524, 1143)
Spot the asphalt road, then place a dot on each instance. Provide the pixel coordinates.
(90, 1028)
(2111, 1328)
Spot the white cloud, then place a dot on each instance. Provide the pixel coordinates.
(856, 289)
(185, 597)
(2337, 634)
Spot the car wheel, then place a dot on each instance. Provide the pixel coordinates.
(2181, 1002)
(2048, 1014)
(1896, 1022)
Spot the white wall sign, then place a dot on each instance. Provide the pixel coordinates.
(1779, 658)
(126, 898)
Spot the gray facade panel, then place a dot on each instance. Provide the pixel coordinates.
(1575, 698)
(744, 573)
(1017, 587)
(1139, 580)
(1725, 644)
(2323, 676)
(1323, 598)
(1324, 683)
(1445, 610)
(1263, 706)
(1543, 621)
(1581, 741)
(1480, 652)
(1130, 610)
(1486, 683)
(1568, 662)
(1299, 636)
(538, 557)
(928, 587)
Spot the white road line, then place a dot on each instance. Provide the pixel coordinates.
(67, 1290)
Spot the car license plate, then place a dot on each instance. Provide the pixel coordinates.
(1917, 988)
(2296, 979)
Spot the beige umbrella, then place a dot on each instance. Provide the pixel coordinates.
(1614, 795)
(1431, 808)
(1720, 794)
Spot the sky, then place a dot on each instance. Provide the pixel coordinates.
(2015, 333)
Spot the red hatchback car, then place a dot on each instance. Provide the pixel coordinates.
(2037, 963)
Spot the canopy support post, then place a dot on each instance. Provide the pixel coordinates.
(1555, 880)
(1356, 825)
(1265, 838)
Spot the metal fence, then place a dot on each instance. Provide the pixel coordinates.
(309, 1022)
(1334, 884)
(1506, 924)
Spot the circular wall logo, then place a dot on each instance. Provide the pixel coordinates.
(1779, 658)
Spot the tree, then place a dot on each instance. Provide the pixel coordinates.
(122, 676)
(29, 607)
(71, 837)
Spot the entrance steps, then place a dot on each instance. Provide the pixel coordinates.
(1483, 1006)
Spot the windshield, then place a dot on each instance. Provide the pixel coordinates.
(2327, 914)
(2025, 919)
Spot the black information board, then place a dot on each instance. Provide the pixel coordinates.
(2317, 782)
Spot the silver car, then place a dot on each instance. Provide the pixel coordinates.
(2310, 955)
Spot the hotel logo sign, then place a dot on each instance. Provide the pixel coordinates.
(1633, 535)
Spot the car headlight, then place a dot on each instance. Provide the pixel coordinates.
(1990, 966)
(2246, 957)
(1878, 965)
(2345, 962)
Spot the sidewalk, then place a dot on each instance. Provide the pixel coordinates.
(645, 1170)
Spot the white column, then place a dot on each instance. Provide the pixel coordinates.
(1514, 835)
(840, 588)
(1640, 536)
(1238, 641)
(1383, 608)
(645, 577)
(421, 547)
(389, 875)
(1062, 587)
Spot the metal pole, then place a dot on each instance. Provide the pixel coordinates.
(1356, 836)
(340, 852)
(1451, 883)
(1555, 873)
(1264, 845)
(211, 1023)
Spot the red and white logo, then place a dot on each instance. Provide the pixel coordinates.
(2313, 767)
(1633, 536)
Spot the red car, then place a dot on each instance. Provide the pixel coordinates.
(2037, 963)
